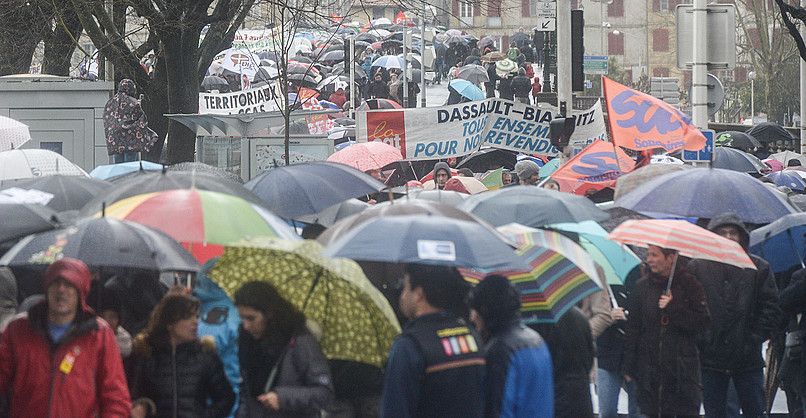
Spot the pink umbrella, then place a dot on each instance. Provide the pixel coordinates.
(367, 156)
(774, 164)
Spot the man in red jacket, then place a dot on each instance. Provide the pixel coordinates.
(61, 360)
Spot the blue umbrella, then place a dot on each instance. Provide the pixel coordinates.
(108, 171)
(781, 243)
(343, 145)
(426, 239)
(737, 160)
(307, 188)
(706, 193)
(788, 179)
(466, 89)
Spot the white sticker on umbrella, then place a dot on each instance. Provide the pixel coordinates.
(436, 250)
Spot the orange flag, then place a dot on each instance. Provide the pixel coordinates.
(595, 168)
(639, 121)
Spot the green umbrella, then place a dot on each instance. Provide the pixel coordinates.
(550, 167)
(356, 320)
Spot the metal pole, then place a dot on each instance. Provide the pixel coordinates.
(422, 58)
(753, 101)
(405, 67)
(564, 52)
(699, 69)
(352, 77)
(802, 93)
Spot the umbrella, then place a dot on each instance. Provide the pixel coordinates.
(305, 79)
(455, 39)
(471, 184)
(149, 182)
(366, 37)
(520, 38)
(560, 273)
(616, 260)
(103, 242)
(735, 139)
(550, 167)
(303, 189)
(426, 239)
(367, 156)
(781, 243)
(335, 56)
(473, 73)
(27, 163)
(774, 165)
(706, 193)
(628, 182)
(618, 216)
(447, 197)
(665, 159)
(12, 134)
(493, 56)
(401, 207)
(485, 42)
(199, 167)
(357, 322)
(335, 213)
(265, 74)
(504, 67)
(106, 172)
(21, 219)
(789, 179)
(214, 82)
(202, 220)
(532, 206)
(388, 62)
(787, 156)
(453, 32)
(799, 201)
(487, 159)
(466, 89)
(737, 160)
(372, 104)
(769, 132)
(67, 192)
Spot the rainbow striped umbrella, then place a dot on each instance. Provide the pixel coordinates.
(688, 239)
(561, 273)
(203, 221)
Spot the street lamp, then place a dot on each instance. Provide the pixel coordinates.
(752, 76)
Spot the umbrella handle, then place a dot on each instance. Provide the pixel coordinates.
(671, 274)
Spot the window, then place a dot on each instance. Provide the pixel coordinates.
(660, 40)
(616, 9)
(465, 9)
(660, 72)
(615, 43)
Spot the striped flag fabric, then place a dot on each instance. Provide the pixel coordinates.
(688, 239)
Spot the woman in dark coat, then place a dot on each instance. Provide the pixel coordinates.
(125, 125)
(284, 371)
(660, 349)
(172, 370)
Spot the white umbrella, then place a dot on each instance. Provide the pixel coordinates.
(28, 163)
(12, 133)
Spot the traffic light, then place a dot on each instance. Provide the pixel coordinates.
(577, 50)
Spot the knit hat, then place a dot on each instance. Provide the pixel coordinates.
(496, 300)
(526, 168)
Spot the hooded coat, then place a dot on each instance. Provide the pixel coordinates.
(125, 123)
(664, 359)
(441, 165)
(81, 375)
(743, 304)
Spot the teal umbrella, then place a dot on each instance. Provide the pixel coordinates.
(550, 167)
(616, 260)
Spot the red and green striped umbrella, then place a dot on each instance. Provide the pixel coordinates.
(203, 221)
(561, 273)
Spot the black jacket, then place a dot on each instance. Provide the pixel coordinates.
(181, 381)
(744, 308)
(793, 302)
(378, 90)
(505, 88)
(521, 86)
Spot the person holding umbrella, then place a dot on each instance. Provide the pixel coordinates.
(377, 88)
(667, 310)
(436, 366)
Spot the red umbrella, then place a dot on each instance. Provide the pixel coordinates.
(373, 104)
(367, 156)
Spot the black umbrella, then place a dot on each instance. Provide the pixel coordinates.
(268, 55)
(337, 55)
(298, 68)
(69, 192)
(532, 206)
(304, 79)
(455, 39)
(304, 60)
(157, 181)
(366, 37)
(214, 82)
(489, 159)
(103, 242)
(485, 42)
(769, 132)
(737, 160)
(21, 219)
(735, 139)
(372, 104)
(307, 188)
(519, 39)
(198, 167)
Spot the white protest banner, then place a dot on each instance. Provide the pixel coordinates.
(456, 130)
(266, 98)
